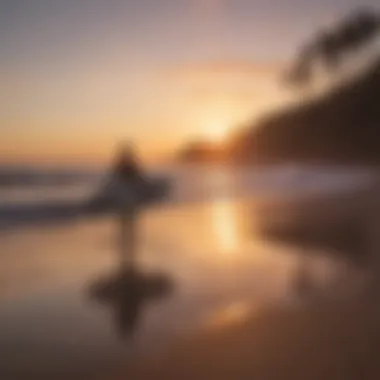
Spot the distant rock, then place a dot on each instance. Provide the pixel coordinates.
(201, 152)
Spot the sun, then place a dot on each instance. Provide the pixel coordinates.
(216, 131)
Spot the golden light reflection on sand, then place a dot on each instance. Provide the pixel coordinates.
(225, 228)
(234, 313)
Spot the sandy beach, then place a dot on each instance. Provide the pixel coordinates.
(330, 340)
(329, 334)
(223, 288)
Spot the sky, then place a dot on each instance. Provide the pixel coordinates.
(79, 76)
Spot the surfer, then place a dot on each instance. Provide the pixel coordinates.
(125, 184)
(130, 183)
(126, 167)
(126, 192)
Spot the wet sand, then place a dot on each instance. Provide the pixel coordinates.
(51, 324)
(337, 340)
(331, 335)
(236, 310)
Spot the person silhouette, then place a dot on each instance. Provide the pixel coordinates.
(128, 290)
(129, 176)
(126, 167)
(127, 187)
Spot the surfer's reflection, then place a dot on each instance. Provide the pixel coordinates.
(127, 291)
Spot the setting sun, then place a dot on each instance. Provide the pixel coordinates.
(216, 130)
(217, 133)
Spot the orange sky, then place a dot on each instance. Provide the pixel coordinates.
(78, 77)
(82, 118)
